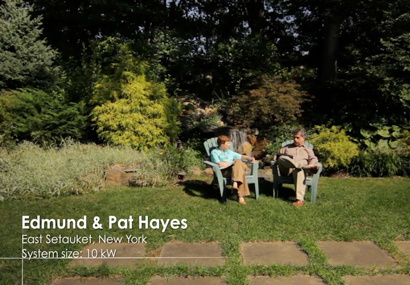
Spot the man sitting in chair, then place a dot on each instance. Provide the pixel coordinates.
(225, 158)
(296, 159)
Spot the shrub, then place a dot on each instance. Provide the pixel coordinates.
(131, 109)
(377, 163)
(32, 171)
(403, 150)
(276, 101)
(334, 147)
(140, 117)
(37, 115)
(276, 135)
(73, 168)
(387, 153)
(174, 160)
(379, 136)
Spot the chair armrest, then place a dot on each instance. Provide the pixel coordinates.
(216, 169)
(275, 169)
(215, 165)
(274, 166)
(212, 164)
(317, 174)
(255, 167)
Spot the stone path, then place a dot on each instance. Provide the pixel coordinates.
(265, 173)
(205, 254)
(378, 280)
(115, 254)
(187, 281)
(357, 253)
(89, 281)
(267, 253)
(293, 280)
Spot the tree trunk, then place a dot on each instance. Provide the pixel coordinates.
(328, 70)
(256, 15)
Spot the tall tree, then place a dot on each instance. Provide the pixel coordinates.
(25, 58)
(216, 49)
(355, 51)
(70, 25)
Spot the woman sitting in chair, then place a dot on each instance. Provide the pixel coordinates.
(226, 158)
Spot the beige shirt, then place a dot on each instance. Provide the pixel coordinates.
(301, 154)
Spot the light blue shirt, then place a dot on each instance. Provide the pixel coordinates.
(228, 155)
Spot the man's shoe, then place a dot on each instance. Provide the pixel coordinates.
(298, 203)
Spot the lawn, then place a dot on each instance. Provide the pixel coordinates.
(347, 209)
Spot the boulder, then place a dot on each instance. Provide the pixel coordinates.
(116, 175)
(208, 171)
(194, 171)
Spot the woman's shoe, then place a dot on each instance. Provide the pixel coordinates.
(241, 200)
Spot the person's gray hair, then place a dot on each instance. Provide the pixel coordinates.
(301, 132)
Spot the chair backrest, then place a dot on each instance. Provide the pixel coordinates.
(308, 144)
(211, 144)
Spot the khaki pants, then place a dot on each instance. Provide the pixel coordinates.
(287, 167)
(237, 173)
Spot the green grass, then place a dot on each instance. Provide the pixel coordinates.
(347, 209)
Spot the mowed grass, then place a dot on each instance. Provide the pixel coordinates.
(347, 209)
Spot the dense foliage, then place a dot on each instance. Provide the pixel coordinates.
(335, 149)
(130, 109)
(39, 116)
(67, 168)
(122, 61)
(26, 60)
(138, 117)
(276, 101)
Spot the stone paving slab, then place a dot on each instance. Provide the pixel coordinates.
(267, 253)
(187, 281)
(126, 255)
(356, 253)
(292, 280)
(265, 173)
(378, 280)
(205, 254)
(88, 281)
(404, 246)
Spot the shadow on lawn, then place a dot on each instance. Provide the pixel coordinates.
(287, 194)
(203, 189)
(200, 188)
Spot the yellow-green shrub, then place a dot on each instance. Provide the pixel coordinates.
(138, 117)
(333, 147)
(131, 107)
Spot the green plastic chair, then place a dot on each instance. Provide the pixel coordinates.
(222, 181)
(312, 181)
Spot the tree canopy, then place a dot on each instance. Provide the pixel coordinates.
(26, 59)
(350, 58)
